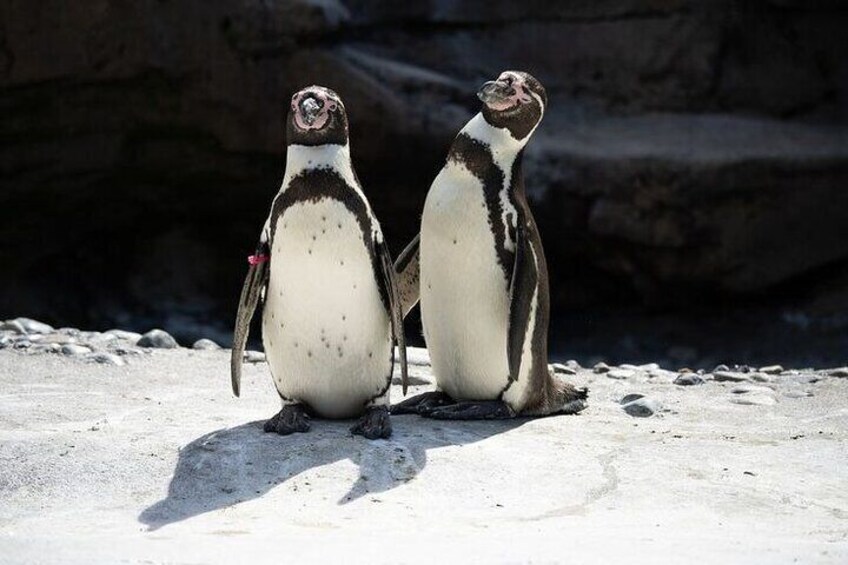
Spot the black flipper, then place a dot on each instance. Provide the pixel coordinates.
(524, 280)
(395, 313)
(407, 271)
(254, 283)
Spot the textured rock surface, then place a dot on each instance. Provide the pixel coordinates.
(692, 148)
(157, 462)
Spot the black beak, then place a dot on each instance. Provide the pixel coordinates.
(495, 91)
(309, 109)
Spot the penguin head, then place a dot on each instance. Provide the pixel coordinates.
(515, 101)
(316, 117)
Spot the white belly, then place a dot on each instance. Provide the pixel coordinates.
(325, 329)
(464, 293)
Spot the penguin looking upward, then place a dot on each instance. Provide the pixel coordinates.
(324, 277)
(479, 269)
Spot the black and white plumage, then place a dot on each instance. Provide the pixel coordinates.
(330, 311)
(480, 271)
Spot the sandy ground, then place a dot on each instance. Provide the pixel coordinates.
(157, 462)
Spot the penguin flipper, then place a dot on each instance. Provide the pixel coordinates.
(407, 270)
(395, 307)
(254, 283)
(522, 286)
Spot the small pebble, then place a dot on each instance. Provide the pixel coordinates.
(45, 348)
(563, 369)
(761, 377)
(22, 344)
(747, 388)
(796, 393)
(124, 350)
(649, 367)
(573, 364)
(12, 326)
(639, 406)
(132, 337)
(73, 350)
(158, 339)
(601, 367)
(254, 357)
(105, 359)
(5, 341)
(841, 372)
(689, 379)
(772, 369)
(729, 376)
(34, 326)
(620, 374)
(754, 399)
(721, 367)
(205, 344)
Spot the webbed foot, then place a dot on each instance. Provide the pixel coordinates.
(422, 403)
(374, 424)
(479, 410)
(291, 419)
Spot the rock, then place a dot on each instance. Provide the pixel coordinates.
(572, 363)
(601, 367)
(254, 357)
(761, 377)
(205, 344)
(22, 344)
(45, 348)
(33, 326)
(105, 359)
(749, 389)
(754, 399)
(841, 372)
(12, 326)
(132, 337)
(157, 339)
(797, 393)
(5, 341)
(648, 367)
(771, 369)
(563, 369)
(73, 350)
(662, 375)
(689, 379)
(721, 367)
(639, 406)
(124, 350)
(729, 376)
(620, 374)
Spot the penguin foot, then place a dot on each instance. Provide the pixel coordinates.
(374, 424)
(291, 419)
(481, 410)
(423, 403)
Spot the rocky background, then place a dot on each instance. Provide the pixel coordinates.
(690, 178)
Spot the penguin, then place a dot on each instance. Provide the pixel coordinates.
(479, 269)
(325, 281)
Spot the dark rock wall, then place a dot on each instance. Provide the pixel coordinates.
(692, 150)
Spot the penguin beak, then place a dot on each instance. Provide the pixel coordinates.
(495, 92)
(309, 109)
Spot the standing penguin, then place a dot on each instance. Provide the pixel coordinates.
(330, 312)
(479, 269)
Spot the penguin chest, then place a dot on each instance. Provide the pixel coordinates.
(325, 328)
(464, 292)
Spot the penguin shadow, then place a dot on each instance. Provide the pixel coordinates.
(233, 465)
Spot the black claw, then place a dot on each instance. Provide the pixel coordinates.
(423, 404)
(483, 410)
(291, 419)
(374, 424)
